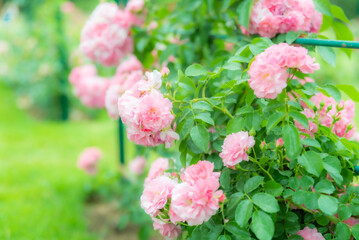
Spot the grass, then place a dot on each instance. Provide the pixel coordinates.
(41, 190)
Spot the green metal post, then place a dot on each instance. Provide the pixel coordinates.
(63, 58)
(327, 43)
(121, 131)
(121, 142)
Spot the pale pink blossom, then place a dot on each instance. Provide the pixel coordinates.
(106, 36)
(137, 165)
(279, 142)
(270, 17)
(157, 169)
(80, 73)
(268, 72)
(147, 113)
(88, 160)
(156, 194)
(154, 112)
(168, 137)
(197, 203)
(310, 234)
(201, 170)
(68, 7)
(235, 148)
(312, 127)
(327, 109)
(167, 230)
(165, 71)
(111, 100)
(135, 5)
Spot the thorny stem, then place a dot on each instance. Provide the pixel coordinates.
(260, 166)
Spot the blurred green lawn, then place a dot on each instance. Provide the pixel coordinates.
(41, 190)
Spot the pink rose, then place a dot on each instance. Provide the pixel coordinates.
(156, 194)
(310, 234)
(235, 148)
(137, 165)
(88, 160)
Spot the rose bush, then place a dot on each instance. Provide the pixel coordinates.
(260, 151)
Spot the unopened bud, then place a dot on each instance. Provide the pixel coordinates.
(252, 132)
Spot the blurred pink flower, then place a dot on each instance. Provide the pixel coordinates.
(106, 36)
(68, 7)
(270, 17)
(167, 230)
(88, 159)
(137, 165)
(310, 234)
(157, 169)
(135, 5)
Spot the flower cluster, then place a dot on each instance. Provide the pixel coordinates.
(270, 17)
(235, 148)
(193, 198)
(338, 117)
(268, 72)
(128, 73)
(147, 113)
(99, 92)
(106, 36)
(88, 160)
(88, 86)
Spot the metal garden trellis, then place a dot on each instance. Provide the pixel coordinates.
(301, 41)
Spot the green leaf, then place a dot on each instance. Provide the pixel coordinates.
(202, 105)
(342, 231)
(344, 212)
(328, 204)
(342, 32)
(273, 188)
(274, 119)
(225, 5)
(323, 6)
(244, 11)
(187, 126)
(339, 13)
(200, 137)
(291, 36)
(311, 143)
(301, 118)
(355, 231)
(244, 213)
(333, 167)
(233, 228)
(224, 237)
(306, 182)
(266, 202)
(262, 225)
(324, 186)
(235, 125)
(205, 117)
(291, 141)
(333, 92)
(327, 54)
(350, 91)
(195, 70)
(312, 162)
(253, 183)
(225, 179)
(234, 199)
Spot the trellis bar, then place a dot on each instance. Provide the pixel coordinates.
(327, 43)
